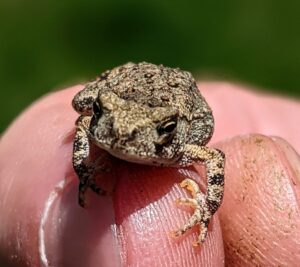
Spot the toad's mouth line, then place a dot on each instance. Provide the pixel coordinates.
(141, 159)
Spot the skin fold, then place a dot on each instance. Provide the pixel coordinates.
(42, 224)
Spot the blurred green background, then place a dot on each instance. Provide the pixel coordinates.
(51, 44)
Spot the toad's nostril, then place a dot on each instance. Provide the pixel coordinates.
(126, 134)
(132, 135)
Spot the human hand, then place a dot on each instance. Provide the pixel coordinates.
(41, 222)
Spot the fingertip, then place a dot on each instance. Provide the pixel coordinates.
(41, 221)
(240, 109)
(260, 212)
(40, 192)
(147, 219)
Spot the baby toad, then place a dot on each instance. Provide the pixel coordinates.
(152, 115)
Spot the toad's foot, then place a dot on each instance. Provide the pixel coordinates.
(89, 183)
(201, 215)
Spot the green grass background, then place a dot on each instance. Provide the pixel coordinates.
(51, 44)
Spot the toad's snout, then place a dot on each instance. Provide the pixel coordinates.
(125, 134)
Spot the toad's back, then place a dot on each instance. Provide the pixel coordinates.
(155, 86)
(149, 85)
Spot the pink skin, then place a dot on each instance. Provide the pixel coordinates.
(42, 224)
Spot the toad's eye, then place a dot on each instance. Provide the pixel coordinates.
(97, 109)
(167, 127)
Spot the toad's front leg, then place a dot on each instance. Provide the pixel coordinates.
(205, 205)
(84, 169)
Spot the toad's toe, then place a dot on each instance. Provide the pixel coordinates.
(201, 215)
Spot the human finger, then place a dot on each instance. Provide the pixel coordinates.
(241, 110)
(42, 224)
(260, 211)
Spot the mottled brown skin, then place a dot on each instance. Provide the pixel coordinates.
(152, 115)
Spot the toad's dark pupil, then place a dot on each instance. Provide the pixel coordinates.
(97, 109)
(167, 127)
